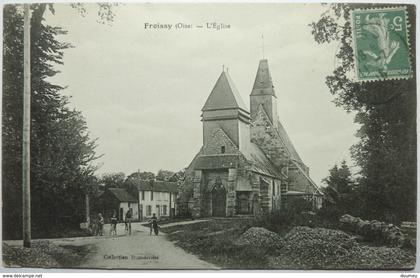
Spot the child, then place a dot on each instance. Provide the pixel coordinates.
(114, 221)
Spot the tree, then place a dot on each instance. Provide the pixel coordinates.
(112, 180)
(164, 175)
(61, 149)
(141, 176)
(386, 111)
(340, 193)
(178, 176)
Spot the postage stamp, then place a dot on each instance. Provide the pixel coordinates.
(381, 44)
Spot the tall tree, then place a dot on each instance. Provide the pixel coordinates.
(340, 192)
(386, 111)
(61, 150)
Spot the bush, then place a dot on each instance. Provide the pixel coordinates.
(296, 213)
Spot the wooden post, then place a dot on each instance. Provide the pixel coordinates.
(26, 136)
(87, 209)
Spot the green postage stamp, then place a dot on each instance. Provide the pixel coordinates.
(381, 44)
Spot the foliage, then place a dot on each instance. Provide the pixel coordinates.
(112, 180)
(141, 176)
(61, 149)
(340, 193)
(386, 111)
(164, 175)
(214, 241)
(281, 221)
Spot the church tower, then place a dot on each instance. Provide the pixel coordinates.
(263, 93)
(225, 112)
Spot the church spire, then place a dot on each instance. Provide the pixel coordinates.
(263, 84)
(224, 95)
(263, 93)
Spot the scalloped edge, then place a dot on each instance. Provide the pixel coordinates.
(407, 24)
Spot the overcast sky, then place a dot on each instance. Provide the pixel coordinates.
(141, 91)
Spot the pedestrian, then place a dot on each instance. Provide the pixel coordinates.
(128, 222)
(114, 221)
(100, 224)
(154, 225)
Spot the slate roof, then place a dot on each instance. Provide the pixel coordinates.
(260, 162)
(156, 186)
(224, 95)
(287, 142)
(263, 85)
(122, 195)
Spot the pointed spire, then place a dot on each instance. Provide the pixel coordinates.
(263, 84)
(224, 95)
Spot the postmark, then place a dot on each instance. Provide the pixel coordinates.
(381, 44)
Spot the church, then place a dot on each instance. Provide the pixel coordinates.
(247, 164)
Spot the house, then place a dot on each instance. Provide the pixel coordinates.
(247, 163)
(120, 201)
(157, 197)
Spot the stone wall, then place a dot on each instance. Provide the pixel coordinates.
(218, 138)
(231, 193)
(196, 211)
(265, 136)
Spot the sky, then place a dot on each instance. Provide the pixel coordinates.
(142, 90)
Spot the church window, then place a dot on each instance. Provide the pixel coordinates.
(223, 149)
(151, 195)
(142, 195)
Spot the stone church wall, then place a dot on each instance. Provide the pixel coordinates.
(265, 136)
(218, 139)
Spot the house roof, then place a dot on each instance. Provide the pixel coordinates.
(122, 195)
(224, 95)
(263, 85)
(157, 186)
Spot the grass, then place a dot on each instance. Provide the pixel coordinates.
(214, 241)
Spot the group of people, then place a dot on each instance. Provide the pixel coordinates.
(98, 225)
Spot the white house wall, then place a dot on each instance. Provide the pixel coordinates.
(159, 199)
(126, 206)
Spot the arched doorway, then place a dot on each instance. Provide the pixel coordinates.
(218, 200)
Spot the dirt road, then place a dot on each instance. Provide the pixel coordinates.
(137, 251)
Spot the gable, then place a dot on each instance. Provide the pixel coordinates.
(218, 139)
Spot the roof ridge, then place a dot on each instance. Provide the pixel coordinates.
(224, 95)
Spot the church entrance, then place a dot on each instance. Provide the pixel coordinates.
(243, 204)
(218, 201)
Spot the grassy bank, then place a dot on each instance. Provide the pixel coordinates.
(298, 247)
(44, 254)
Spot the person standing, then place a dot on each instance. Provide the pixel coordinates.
(114, 221)
(154, 225)
(128, 221)
(101, 222)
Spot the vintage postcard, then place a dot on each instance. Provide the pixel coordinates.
(209, 136)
